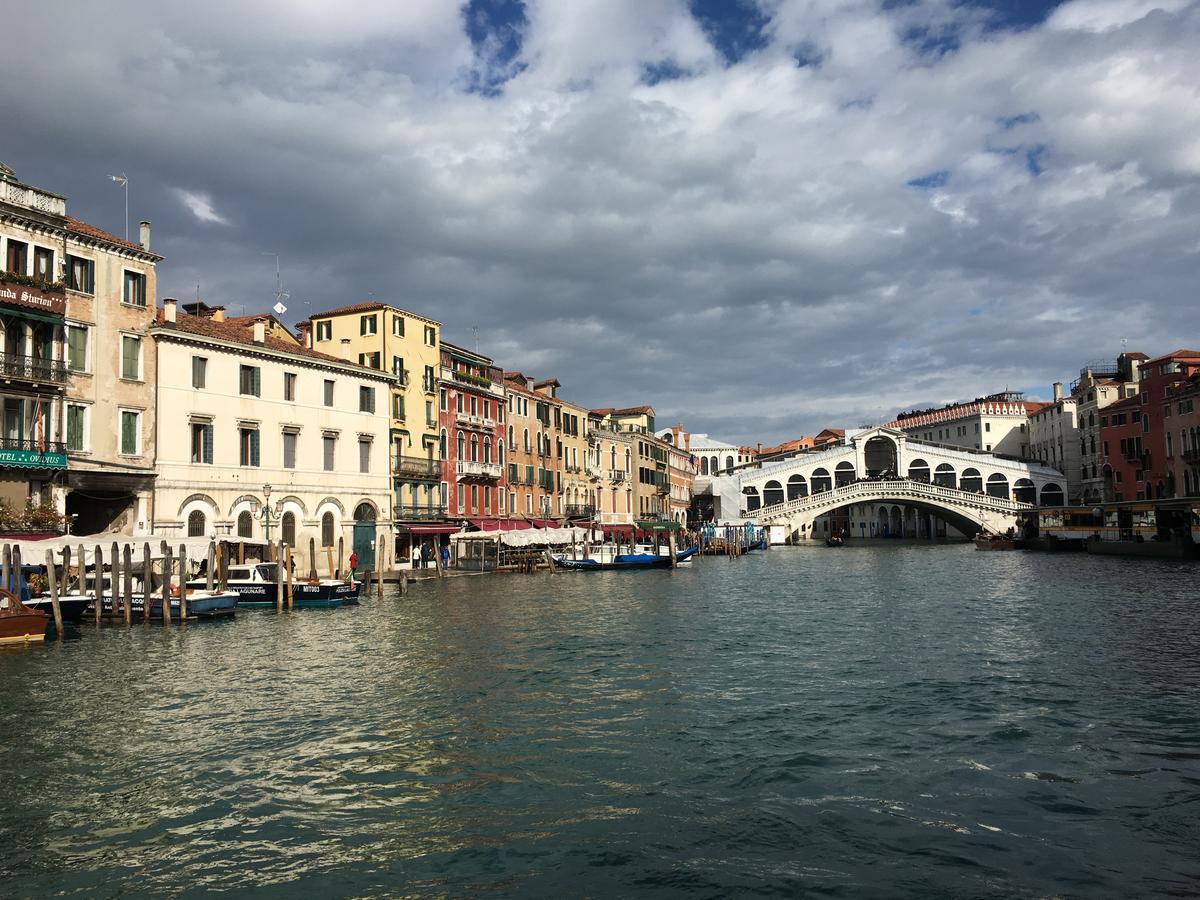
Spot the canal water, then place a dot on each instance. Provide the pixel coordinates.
(912, 720)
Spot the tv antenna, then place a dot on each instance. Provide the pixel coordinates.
(281, 295)
(475, 332)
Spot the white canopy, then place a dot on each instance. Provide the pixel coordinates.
(529, 537)
(34, 552)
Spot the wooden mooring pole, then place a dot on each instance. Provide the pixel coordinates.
(115, 580)
(166, 584)
(147, 583)
(288, 557)
(127, 587)
(183, 612)
(98, 564)
(209, 562)
(277, 553)
(52, 577)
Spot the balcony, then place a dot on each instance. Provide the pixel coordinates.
(33, 454)
(402, 377)
(18, 367)
(616, 475)
(420, 513)
(468, 469)
(475, 421)
(594, 472)
(576, 511)
(475, 382)
(417, 467)
(1191, 454)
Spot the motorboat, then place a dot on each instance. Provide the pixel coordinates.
(256, 585)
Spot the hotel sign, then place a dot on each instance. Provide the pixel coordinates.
(32, 298)
(32, 459)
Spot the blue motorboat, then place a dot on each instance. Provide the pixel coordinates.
(624, 562)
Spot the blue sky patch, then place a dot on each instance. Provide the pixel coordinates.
(653, 73)
(932, 180)
(736, 28)
(496, 29)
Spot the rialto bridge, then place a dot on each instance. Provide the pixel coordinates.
(882, 470)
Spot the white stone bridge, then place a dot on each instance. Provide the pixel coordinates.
(970, 490)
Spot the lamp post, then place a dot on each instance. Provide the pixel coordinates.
(266, 511)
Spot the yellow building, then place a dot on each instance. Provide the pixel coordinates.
(576, 497)
(408, 346)
(650, 476)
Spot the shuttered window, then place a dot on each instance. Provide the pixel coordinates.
(131, 357)
(364, 456)
(77, 348)
(289, 450)
(249, 381)
(129, 433)
(202, 442)
(75, 427)
(329, 443)
(199, 372)
(248, 441)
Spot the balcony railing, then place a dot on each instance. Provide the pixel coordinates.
(476, 420)
(576, 511)
(479, 469)
(18, 367)
(594, 472)
(419, 512)
(418, 467)
(616, 475)
(34, 446)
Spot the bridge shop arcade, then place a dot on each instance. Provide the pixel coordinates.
(881, 484)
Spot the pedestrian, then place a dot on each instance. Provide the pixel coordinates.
(446, 557)
(353, 563)
(416, 557)
(425, 555)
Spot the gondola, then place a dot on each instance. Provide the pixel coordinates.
(835, 540)
(624, 562)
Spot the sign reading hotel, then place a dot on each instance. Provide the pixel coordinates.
(22, 295)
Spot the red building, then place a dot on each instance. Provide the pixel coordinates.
(1183, 437)
(471, 415)
(1124, 449)
(1158, 378)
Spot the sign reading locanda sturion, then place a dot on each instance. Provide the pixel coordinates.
(27, 296)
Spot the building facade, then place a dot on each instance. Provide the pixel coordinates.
(472, 438)
(578, 504)
(998, 423)
(269, 440)
(1054, 439)
(533, 488)
(77, 304)
(1182, 439)
(609, 468)
(1158, 379)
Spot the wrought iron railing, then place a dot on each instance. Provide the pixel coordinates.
(29, 368)
(577, 511)
(418, 467)
(35, 446)
(419, 512)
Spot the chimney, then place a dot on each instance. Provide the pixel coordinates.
(144, 235)
(218, 314)
(260, 331)
(304, 333)
(1058, 395)
(169, 310)
(344, 349)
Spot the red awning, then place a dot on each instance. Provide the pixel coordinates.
(623, 530)
(429, 529)
(500, 524)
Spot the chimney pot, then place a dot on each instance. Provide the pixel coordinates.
(169, 309)
(260, 331)
(144, 235)
(1058, 392)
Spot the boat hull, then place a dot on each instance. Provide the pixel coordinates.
(199, 606)
(626, 562)
(323, 595)
(72, 608)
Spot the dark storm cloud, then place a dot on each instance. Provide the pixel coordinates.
(755, 247)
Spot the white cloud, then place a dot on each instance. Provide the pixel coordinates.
(200, 206)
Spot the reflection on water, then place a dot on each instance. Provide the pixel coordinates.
(902, 720)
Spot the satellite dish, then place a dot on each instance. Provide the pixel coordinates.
(279, 308)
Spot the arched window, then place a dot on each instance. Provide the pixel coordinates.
(525, 440)
(1052, 495)
(944, 475)
(327, 530)
(715, 465)
(500, 452)
(797, 487)
(918, 470)
(1024, 491)
(487, 450)
(997, 485)
(442, 444)
(510, 436)
(245, 524)
(196, 523)
(612, 454)
(462, 446)
(843, 473)
(821, 481)
(288, 529)
(772, 493)
(971, 481)
(364, 512)
(539, 443)
(729, 463)
(753, 501)
(704, 465)
(474, 448)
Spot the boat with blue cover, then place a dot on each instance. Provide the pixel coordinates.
(624, 562)
(256, 585)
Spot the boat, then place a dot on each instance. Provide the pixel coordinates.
(71, 607)
(985, 541)
(835, 540)
(256, 587)
(625, 561)
(760, 544)
(18, 623)
(202, 604)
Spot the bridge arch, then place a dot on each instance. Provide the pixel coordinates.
(880, 456)
(1052, 495)
(753, 501)
(843, 473)
(918, 470)
(945, 475)
(1024, 491)
(821, 481)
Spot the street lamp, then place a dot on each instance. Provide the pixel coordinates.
(265, 513)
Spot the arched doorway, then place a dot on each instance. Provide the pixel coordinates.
(879, 457)
(971, 481)
(797, 487)
(364, 535)
(944, 475)
(821, 481)
(843, 473)
(896, 526)
(327, 530)
(772, 493)
(997, 485)
(918, 470)
(1052, 495)
(1024, 491)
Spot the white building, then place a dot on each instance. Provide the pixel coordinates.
(266, 439)
(998, 423)
(1054, 438)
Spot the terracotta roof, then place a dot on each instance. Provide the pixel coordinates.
(75, 226)
(242, 332)
(1178, 354)
(368, 306)
(632, 410)
(547, 381)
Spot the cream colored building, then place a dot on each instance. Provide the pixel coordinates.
(998, 423)
(407, 347)
(576, 497)
(608, 467)
(242, 412)
(80, 355)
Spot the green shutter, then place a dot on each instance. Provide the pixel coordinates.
(208, 443)
(256, 378)
(74, 428)
(77, 348)
(254, 448)
(128, 433)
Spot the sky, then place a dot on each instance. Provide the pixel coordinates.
(763, 217)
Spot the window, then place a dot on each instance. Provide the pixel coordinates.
(458, 402)
(43, 264)
(18, 256)
(364, 455)
(370, 360)
(202, 442)
(130, 432)
(196, 523)
(442, 400)
(397, 406)
(245, 524)
(367, 324)
(430, 336)
(249, 381)
(199, 372)
(329, 443)
(430, 420)
(289, 386)
(398, 326)
(77, 341)
(325, 331)
(135, 289)
(288, 528)
(430, 381)
(461, 496)
(76, 427)
(81, 274)
(248, 447)
(328, 392)
(131, 357)
(366, 399)
(327, 530)
(289, 449)
(398, 367)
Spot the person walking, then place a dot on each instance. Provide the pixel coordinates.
(445, 558)
(353, 563)
(425, 554)
(416, 557)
